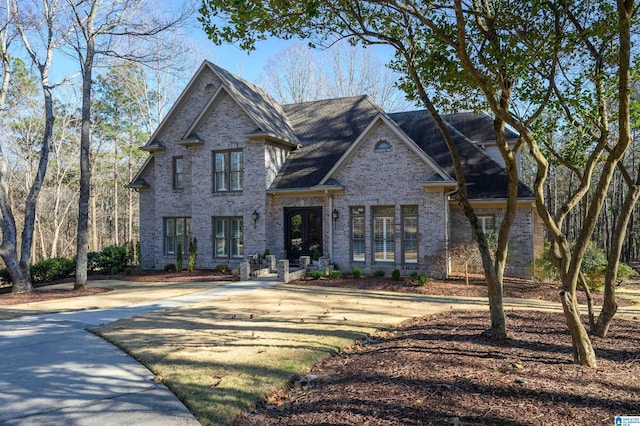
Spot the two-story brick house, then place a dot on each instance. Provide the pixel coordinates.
(338, 178)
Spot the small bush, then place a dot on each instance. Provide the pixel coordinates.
(379, 273)
(114, 257)
(413, 276)
(52, 269)
(115, 270)
(315, 274)
(422, 279)
(169, 267)
(334, 275)
(235, 272)
(93, 260)
(625, 272)
(193, 253)
(4, 276)
(356, 272)
(128, 270)
(266, 253)
(222, 268)
(395, 275)
(179, 258)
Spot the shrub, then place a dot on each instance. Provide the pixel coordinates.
(235, 272)
(193, 253)
(356, 272)
(395, 275)
(379, 273)
(334, 275)
(115, 270)
(593, 266)
(4, 275)
(625, 272)
(222, 268)
(93, 260)
(114, 257)
(179, 258)
(315, 274)
(266, 253)
(413, 276)
(128, 270)
(422, 279)
(52, 269)
(169, 267)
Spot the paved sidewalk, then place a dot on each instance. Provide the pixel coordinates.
(54, 372)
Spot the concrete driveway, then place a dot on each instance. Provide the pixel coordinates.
(54, 372)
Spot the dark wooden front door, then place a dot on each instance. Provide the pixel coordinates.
(303, 232)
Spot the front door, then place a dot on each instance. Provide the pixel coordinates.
(303, 232)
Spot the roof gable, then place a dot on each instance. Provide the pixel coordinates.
(325, 129)
(484, 177)
(268, 115)
(441, 175)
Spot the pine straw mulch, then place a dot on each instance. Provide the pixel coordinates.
(41, 293)
(440, 370)
(456, 286)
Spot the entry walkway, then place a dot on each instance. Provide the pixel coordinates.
(54, 372)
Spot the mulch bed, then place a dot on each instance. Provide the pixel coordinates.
(440, 370)
(40, 294)
(456, 286)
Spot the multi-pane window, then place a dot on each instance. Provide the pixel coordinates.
(177, 231)
(227, 171)
(410, 234)
(487, 223)
(228, 237)
(178, 173)
(357, 234)
(384, 247)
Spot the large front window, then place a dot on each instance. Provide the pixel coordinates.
(357, 234)
(228, 237)
(227, 171)
(410, 234)
(384, 247)
(177, 232)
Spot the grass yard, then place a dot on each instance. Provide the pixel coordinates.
(225, 356)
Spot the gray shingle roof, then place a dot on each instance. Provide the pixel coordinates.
(476, 127)
(266, 112)
(325, 130)
(485, 178)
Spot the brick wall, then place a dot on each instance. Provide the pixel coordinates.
(522, 238)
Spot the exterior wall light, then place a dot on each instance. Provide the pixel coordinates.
(335, 215)
(255, 215)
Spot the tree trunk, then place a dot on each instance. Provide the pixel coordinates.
(85, 171)
(115, 194)
(582, 347)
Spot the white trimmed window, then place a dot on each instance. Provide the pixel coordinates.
(410, 234)
(384, 247)
(487, 223)
(227, 171)
(177, 230)
(228, 237)
(357, 234)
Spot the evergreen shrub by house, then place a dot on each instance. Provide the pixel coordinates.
(378, 273)
(395, 275)
(52, 269)
(179, 258)
(356, 272)
(315, 274)
(113, 257)
(193, 253)
(334, 275)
